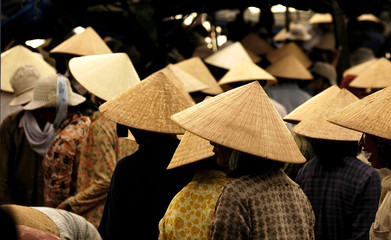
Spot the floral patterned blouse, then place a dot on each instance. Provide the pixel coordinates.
(62, 160)
(190, 213)
(101, 151)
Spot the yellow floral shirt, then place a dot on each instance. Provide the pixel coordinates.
(191, 211)
(101, 151)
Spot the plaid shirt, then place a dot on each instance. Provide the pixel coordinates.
(345, 199)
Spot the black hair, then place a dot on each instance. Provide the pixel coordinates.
(249, 163)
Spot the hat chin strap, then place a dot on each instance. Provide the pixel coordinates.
(61, 102)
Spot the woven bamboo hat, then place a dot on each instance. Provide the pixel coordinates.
(228, 56)
(321, 18)
(169, 72)
(289, 67)
(23, 83)
(256, 44)
(280, 36)
(359, 68)
(316, 126)
(148, 105)
(192, 148)
(189, 82)
(245, 71)
(83, 44)
(371, 114)
(256, 127)
(196, 67)
(45, 93)
(254, 57)
(16, 57)
(369, 18)
(104, 75)
(377, 75)
(287, 49)
(311, 106)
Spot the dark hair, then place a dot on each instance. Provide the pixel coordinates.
(384, 146)
(248, 163)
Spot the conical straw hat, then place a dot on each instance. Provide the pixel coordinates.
(228, 56)
(190, 83)
(321, 18)
(311, 106)
(17, 57)
(191, 149)
(177, 82)
(195, 67)
(289, 67)
(148, 105)
(243, 119)
(369, 18)
(104, 75)
(254, 57)
(359, 68)
(83, 44)
(377, 75)
(256, 44)
(316, 126)
(246, 71)
(280, 36)
(371, 114)
(286, 49)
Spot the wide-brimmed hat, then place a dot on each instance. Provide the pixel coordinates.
(311, 106)
(104, 75)
(288, 49)
(371, 114)
(298, 32)
(326, 71)
(148, 105)
(376, 75)
(321, 18)
(196, 67)
(86, 43)
(243, 119)
(256, 44)
(359, 68)
(17, 57)
(246, 71)
(45, 93)
(23, 83)
(228, 56)
(315, 125)
(189, 82)
(289, 67)
(192, 148)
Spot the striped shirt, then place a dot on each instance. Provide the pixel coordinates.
(344, 199)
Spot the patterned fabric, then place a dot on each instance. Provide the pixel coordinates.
(381, 227)
(62, 160)
(190, 213)
(100, 152)
(267, 205)
(344, 199)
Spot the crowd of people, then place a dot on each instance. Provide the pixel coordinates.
(262, 139)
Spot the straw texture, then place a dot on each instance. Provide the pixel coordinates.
(321, 18)
(376, 75)
(148, 105)
(177, 82)
(17, 57)
(311, 106)
(243, 119)
(315, 125)
(371, 114)
(190, 83)
(228, 56)
(287, 49)
(104, 75)
(256, 44)
(359, 68)
(196, 67)
(83, 44)
(23, 83)
(191, 149)
(246, 71)
(289, 67)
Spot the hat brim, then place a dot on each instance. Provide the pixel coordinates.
(22, 98)
(74, 100)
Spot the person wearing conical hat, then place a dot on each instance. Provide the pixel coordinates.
(288, 71)
(324, 75)
(141, 187)
(253, 146)
(108, 75)
(372, 117)
(343, 190)
(23, 144)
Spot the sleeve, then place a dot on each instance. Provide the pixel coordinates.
(366, 205)
(5, 158)
(99, 150)
(231, 219)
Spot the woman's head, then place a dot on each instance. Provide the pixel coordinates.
(379, 149)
